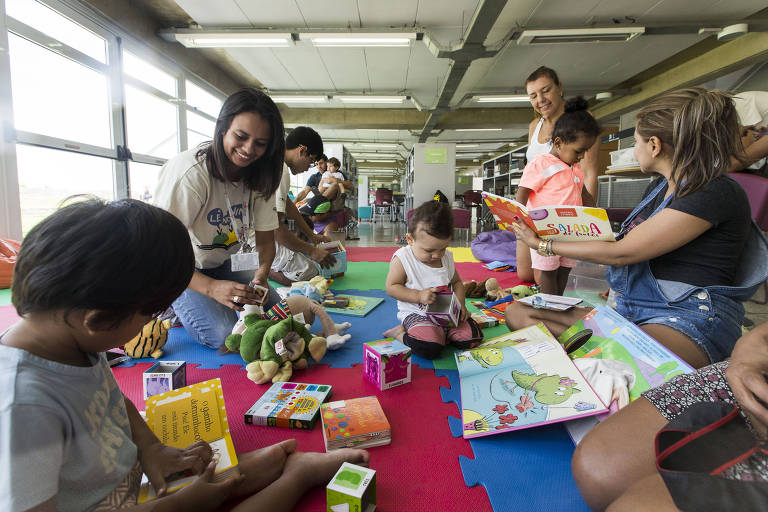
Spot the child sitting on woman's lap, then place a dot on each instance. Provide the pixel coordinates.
(87, 279)
(416, 272)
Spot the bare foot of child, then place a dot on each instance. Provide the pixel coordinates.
(395, 332)
(263, 466)
(313, 468)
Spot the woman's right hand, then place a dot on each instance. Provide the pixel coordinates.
(746, 375)
(427, 296)
(205, 494)
(230, 292)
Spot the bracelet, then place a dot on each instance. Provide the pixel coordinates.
(542, 248)
(550, 252)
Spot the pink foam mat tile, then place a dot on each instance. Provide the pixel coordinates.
(419, 470)
(8, 317)
(370, 253)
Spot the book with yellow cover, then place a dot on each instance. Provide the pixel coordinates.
(559, 223)
(183, 416)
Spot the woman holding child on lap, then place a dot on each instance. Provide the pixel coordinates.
(689, 253)
(222, 192)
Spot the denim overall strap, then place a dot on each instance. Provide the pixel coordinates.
(650, 197)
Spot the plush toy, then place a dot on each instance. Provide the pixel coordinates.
(314, 289)
(475, 290)
(611, 379)
(495, 292)
(150, 340)
(275, 349)
(305, 310)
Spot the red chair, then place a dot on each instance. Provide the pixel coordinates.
(383, 203)
(462, 220)
(473, 199)
(756, 188)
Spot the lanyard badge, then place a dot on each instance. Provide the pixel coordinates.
(245, 258)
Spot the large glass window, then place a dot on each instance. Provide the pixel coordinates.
(48, 176)
(143, 180)
(148, 73)
(199, 129)
(151, 124)
(203, 100)
(48, 21)
(55, 96)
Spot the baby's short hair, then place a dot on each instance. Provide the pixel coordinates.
(121, 258)
(434, 218)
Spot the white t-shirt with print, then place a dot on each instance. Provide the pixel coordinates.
(329, 174)
(420, 276)
(187, 190)
(281, 196)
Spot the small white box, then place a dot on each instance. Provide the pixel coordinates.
(353, 489)
(387, 363)
(164, 376)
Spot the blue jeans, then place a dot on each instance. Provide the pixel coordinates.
(207, 320)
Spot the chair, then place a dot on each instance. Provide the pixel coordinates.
(473, 199)
(462, 219)
(756, 188)
(382, 205)
(364, 213)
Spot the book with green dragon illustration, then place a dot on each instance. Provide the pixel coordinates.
(521, 382)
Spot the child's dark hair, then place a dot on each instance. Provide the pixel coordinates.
(434, 218)
(575, 121)
(335, 161)
(120, 258)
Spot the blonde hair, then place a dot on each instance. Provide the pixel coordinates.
(699, 128)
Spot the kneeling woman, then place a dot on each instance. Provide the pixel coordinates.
(689, 253)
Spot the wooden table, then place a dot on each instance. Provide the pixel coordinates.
(633, 171)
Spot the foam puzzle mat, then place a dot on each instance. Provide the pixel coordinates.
(419, 470)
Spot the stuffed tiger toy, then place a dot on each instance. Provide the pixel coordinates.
(150, 340)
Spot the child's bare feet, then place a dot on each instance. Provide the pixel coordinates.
(263, 466)
(395, 332)
(314, 468)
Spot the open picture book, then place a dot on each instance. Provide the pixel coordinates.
(626, 357)
(182, 416)
(559, 223)
(521, 380)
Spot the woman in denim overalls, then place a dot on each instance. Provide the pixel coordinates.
(698, 323)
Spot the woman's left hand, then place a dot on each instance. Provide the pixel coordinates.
(159, 461)
(526, 234)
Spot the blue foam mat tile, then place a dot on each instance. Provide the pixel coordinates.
(366, 328)
(180, 346)
(456, 426)
(537, 460)
(452, 394)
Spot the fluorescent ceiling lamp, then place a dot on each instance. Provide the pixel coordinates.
(300, 99)
(478, 129)
(358, 39)
(508, 98)
(370, 99)
(377, 145)
(194, 39)
(580, 35)
(462, 146)
(381, 161)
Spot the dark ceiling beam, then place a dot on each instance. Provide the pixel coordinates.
(461, 57)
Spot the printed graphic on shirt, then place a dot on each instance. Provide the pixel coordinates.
(107, 422)
(225, 231)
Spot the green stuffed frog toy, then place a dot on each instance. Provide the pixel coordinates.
(274, 349)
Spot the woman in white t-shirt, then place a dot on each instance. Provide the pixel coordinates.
(546, 94)
(223, 191)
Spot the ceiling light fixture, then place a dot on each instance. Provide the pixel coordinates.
(478, 129)
(580, 35)
(377, 145)
(192, 38)
(300, 99)
(462, 146)
(508, 98)
(381, 161)
(358, 39)
(371, 99)
(732, 32)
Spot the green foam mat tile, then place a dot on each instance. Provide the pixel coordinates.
(363, 275)
(5, 297)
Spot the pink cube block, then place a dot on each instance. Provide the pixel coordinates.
(387, 363)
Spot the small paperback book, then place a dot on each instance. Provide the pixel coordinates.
(559, 223)
(288, 405)
(354, 423)
(182, 416)
(551, 302)
(521, 380)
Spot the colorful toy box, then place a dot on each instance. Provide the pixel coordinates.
(445, 311)
(164, 376)
(387, 363)
(352, 489)
(338, 268)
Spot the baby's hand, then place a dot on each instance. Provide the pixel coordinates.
(160, 460)
(427, 296)
(464, 314)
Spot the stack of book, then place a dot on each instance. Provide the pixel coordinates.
(354, 423)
